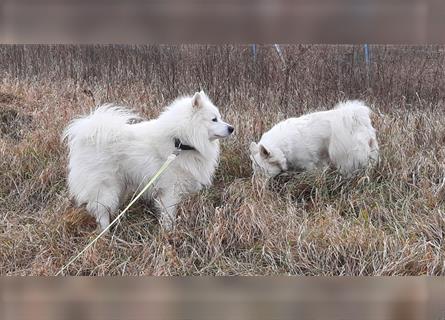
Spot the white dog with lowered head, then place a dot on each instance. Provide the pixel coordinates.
(342, 137)
(109, 157)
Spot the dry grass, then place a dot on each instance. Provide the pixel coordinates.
(391, 221)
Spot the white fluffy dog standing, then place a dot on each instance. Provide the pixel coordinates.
(109, 157)
(342, 137)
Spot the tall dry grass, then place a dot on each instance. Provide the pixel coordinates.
(390, 221)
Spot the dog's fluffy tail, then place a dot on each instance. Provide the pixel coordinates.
(102, 126)
(353, 141)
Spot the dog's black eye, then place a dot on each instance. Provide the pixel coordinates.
(215, 119)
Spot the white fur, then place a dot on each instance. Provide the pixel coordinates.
(342, 137)
(109, 157)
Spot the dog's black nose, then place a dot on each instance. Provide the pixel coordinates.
(231, 129)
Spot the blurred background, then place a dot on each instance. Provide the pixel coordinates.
(211, 21)
(218, 298)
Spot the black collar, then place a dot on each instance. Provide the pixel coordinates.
(179, 145)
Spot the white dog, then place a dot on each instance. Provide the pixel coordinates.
(109, 157)
(342, 137)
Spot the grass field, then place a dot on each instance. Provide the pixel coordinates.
(390, 221)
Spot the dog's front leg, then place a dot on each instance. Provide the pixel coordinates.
(167, 201)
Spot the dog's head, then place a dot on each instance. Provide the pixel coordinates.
(206, 115)
(267, 161)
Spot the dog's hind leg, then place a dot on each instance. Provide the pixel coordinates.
(104, 205)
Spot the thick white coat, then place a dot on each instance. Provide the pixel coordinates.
(109, 157)
(342, 137)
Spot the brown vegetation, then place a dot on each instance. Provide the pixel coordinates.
(391, 221)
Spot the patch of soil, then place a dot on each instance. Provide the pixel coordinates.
(13, 124)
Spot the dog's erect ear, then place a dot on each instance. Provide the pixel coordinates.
(264, 152)
(253, 148)
(197, 100)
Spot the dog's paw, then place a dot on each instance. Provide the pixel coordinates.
(103, 222)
